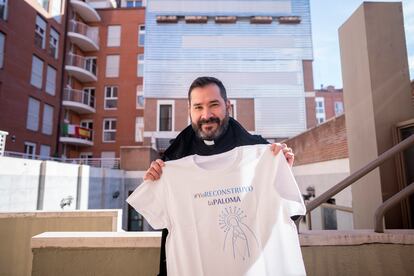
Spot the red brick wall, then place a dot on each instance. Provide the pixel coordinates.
(15, 87)
(325, 142)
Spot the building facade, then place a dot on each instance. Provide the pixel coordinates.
(261, 50)
(31, 58)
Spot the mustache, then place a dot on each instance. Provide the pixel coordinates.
(209, 120)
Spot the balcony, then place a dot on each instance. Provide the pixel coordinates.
(76, 135)
(83, 36)
(82, 68)
(79, 101)
(86, 11)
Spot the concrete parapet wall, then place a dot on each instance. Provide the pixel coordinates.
(16, 230)
(360, 252)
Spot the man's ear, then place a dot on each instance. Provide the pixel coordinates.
(228, 105)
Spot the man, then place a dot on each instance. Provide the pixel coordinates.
(212, 131)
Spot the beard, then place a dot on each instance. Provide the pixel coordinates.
(222, 126)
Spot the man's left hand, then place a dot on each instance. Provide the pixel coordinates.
(289, 155)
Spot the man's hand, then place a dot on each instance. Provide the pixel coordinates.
(155, 171)
(289, 155)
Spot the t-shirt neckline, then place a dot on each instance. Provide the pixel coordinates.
(233, 155)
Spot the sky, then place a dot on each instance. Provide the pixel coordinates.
(327, 16)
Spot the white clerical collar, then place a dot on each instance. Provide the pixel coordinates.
(209, 142)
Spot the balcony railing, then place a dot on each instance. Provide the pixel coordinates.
(112, 163)
(82, 68)
(75, 131)
(84, 36)
(79, 100)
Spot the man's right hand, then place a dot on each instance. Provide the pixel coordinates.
(155, 171)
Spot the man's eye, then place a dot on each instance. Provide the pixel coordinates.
(197, 107)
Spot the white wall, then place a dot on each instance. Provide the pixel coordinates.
(322, 176)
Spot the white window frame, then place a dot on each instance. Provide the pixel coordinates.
(47, 126)
(233, 104)
(2, 47)
(35, 114)
(108, 130)
(336, 107)
(112, 66)
(111, 97)
(114, 36)
(166, 102)
(85, 155)
(139, 129)
(40, 29)
(54, 37)
(30, 155)
(141, 32)
(140, 93)
(134, 3)
(320, 110)
(51, 80)
(90, 93)
(89, 62)
(36, 78)
(140, 62)
(4, 9)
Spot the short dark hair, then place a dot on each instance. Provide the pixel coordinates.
(204, 81)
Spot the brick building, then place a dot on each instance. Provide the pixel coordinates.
(31, 59)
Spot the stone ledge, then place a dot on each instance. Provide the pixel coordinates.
(355, 237)
(97, 240)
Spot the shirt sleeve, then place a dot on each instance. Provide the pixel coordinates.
(150, 201)
(287, 187)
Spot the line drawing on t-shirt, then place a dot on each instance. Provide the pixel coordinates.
(237, 233)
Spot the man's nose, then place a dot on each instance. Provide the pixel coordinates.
(207, 114)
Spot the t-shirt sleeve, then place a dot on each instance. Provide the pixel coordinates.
(149, 199)
(287, 187)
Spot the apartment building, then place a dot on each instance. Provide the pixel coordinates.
(103, 99)
(31, 58)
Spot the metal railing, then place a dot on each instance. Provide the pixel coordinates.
(362, 172)
(76, 131)
(112, 163)
(83, 29)
(79, 96)
(379, 213)
(3, 135)
(87, 64)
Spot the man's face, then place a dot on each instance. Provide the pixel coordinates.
(209, 113)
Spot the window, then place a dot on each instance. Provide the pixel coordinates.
(140, 66)
(134, 3)
(111, 97)
(54, 43)
(44, 151)
(233, 110)
(30, 149)
(320, 109)
(37, 72)
(44, 4)
(114, 36)
(165, 111)
(3, 9)
(89, 96)
(108, 160)
(141, 35)
(90, 64)
(109, 130)
(47, 124)
(339, 108)
(88, 124)
(86, 155)
(32, 121)
(2, 45)
(40, 32)
(140, 97)
(51, 80)
(112, 66)
(139, 129)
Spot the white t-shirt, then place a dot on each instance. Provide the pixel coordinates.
(227, 214)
